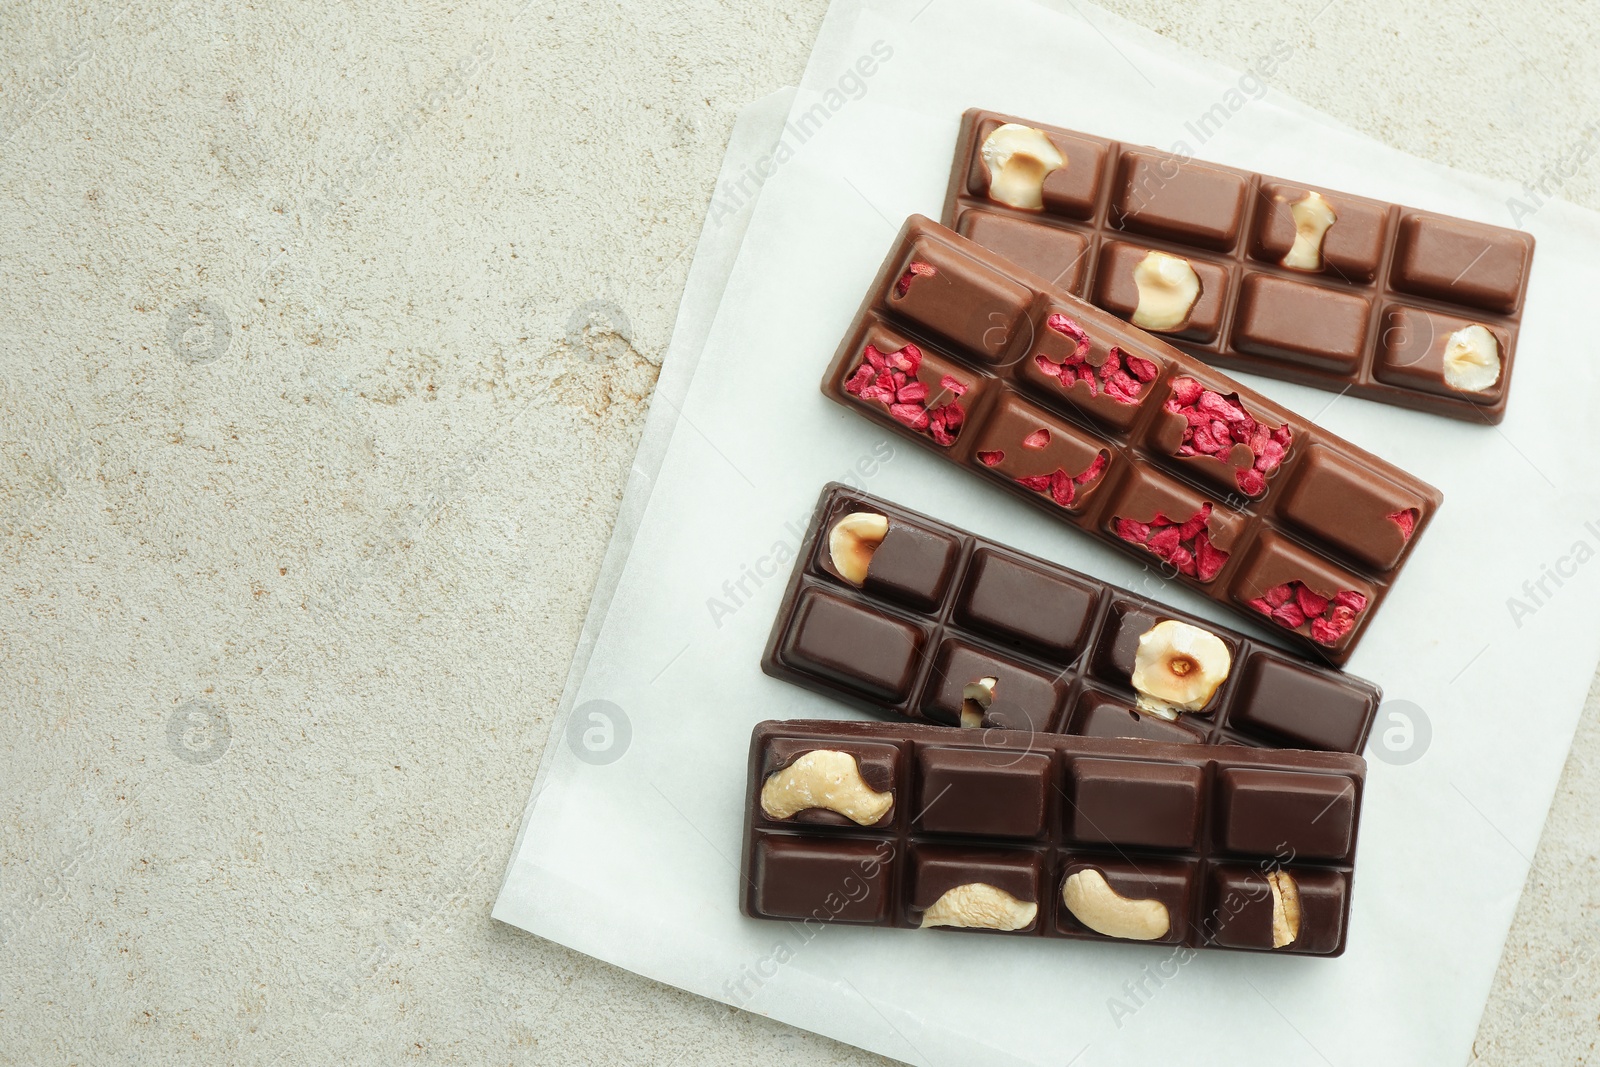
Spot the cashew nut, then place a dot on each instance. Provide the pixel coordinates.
(979, 906)
(1285, 908)
(1102, 909)
(828, 779)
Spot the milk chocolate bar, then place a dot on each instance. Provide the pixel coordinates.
(1096, 839)
(898, 614)
(1250, 272)
(1119, 434)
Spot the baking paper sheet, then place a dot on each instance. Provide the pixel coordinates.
(630, 845)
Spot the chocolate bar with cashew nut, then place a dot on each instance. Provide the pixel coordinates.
(1051, 835)
(1250, 272)
(899, 614)
(1117, 433)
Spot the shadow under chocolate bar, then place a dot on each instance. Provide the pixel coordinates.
(899, 614)
(1119, 434)
(1253, 273)
(899, 825)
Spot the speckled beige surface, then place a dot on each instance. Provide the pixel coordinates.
(327, 337)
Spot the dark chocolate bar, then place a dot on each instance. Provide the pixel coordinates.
(893, 824)
(898, 614)
(1250, 272)
(1119, 434)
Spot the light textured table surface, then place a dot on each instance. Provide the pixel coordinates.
(326, 337)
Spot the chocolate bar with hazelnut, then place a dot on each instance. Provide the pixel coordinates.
(1119, 434)
(1051, 835)
(1249, 272)
(899, 614)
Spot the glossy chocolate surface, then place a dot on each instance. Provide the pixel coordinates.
(1198, 827)
(1282, 503)
(1060, 644)
(1393, 285)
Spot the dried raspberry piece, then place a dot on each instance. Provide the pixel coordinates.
(945, 421)
(1063, 325)
(1039, 483)
(1135, 532)
(1328, 619)
(1208, 559)
(1215, 423)
(913, 272)
(1143, 369)
(1185, 391)
(1186, 545)
(1037, 439)
(991, 459)
(1251, 482)
(1095, 469)
(1406, 520)
(913, 392)
(1349, 598)
(891, 379)
(1310, 603)
(1289, 615)
(1122, 377)
(908, 359)
(913, 415)
(1063, 487)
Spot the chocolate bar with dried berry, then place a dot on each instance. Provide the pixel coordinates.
(1118, 433)
(1253, 273)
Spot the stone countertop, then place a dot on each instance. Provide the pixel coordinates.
(328, 333)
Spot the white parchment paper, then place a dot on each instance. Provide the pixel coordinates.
(630, 845)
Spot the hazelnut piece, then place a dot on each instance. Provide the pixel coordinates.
(975, 700)
(1178, 667)
(1168, 289)
(1312, 217)
(1471, 359)
(1018, 159)
(853, 540)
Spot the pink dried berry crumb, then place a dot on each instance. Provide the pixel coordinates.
(1406, 519)
(1061, 486)
(1186, 545)
(1215, 423)
(913, 272)
(992, 459)
(1121, 376)
(891, 379)
(1327, 618)
(1037, 439)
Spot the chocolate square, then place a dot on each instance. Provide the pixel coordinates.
(1022, 604)
(997, 793)
(1286, 814)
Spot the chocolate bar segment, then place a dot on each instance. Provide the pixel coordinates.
(1051, 649)
(1121, 435)
(1295, 282)
(1076, 837)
